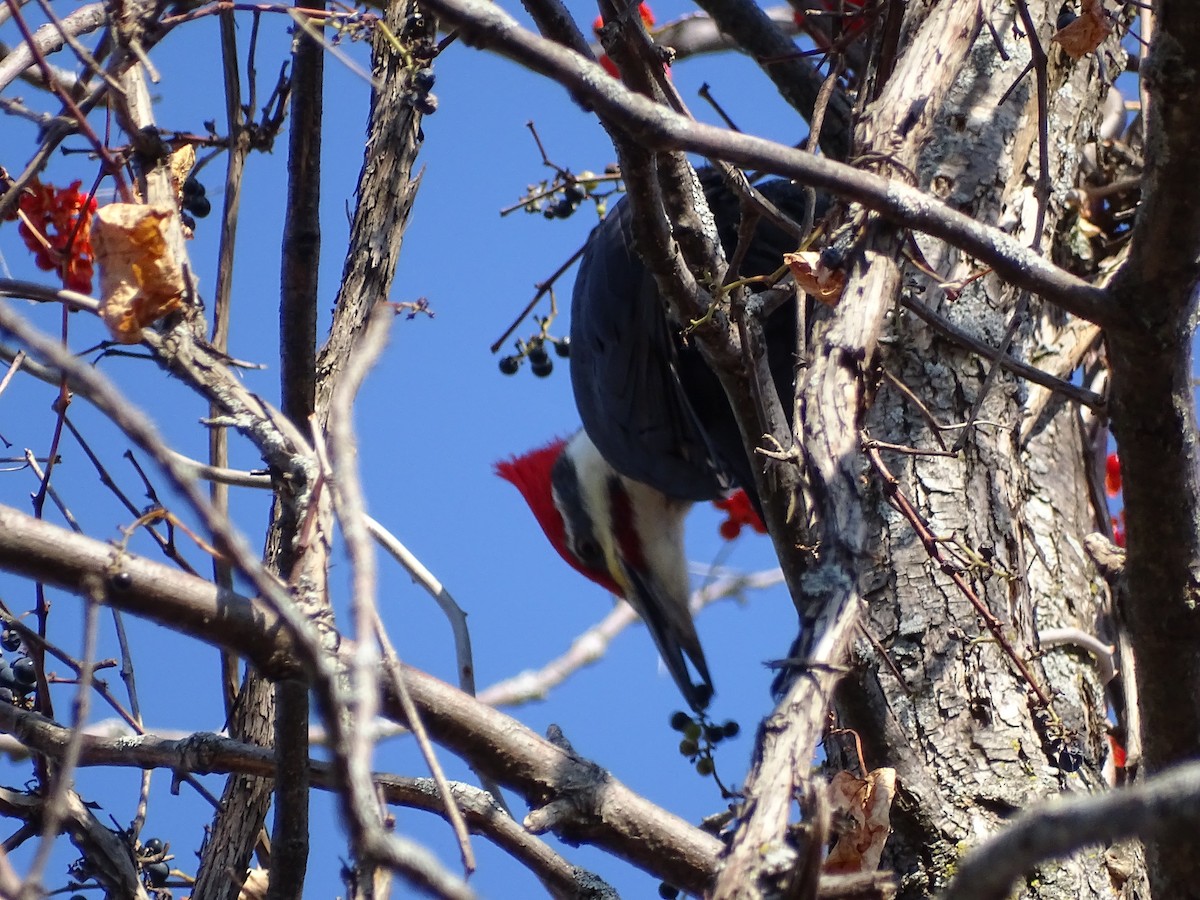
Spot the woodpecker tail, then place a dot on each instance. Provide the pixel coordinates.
(670, 625)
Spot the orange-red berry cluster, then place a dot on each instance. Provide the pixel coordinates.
(741, 515)
(57, 229)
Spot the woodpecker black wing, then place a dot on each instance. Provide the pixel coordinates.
(624, 371)
(651, 405)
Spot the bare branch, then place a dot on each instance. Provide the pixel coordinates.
(369, 633)
(798, 80)
(437, 590)
(409, 858)
(1163, 806)
(49, 38)
(593, 643)
(204, 753)
(609, 814)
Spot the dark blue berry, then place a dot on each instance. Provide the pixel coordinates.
(10, 640)
(25, 672)
(680, 720)
(192, 188)
(509, 365)
(153, 847)
(158, 873)
(198, 206)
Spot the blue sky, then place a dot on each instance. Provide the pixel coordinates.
(434, 416)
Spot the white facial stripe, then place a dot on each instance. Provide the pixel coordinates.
(593, 475)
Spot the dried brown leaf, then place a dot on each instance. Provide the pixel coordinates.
(815, 278)
(862, 807)
(140, 279)
(1085, 33)
(183, 159)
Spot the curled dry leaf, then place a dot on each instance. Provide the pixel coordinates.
(1086, 32)
(140, 279)
(181, 162)
(183, 159)
(862, 807)
(817, 279)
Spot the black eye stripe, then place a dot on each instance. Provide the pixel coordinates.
(580, 531)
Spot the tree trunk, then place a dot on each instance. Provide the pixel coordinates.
(950, 709)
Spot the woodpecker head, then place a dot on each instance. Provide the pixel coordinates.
(622, 534)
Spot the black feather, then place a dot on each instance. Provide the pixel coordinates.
(648, 401)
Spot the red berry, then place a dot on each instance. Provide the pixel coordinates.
(1112, 475)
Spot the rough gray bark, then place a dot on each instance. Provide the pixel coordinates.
(244, 801)
(971, 743)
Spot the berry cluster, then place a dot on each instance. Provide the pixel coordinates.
(700, 736)
(560, 197)
(18, 678)
(564, 206)
(194, 200)
(154, 861)
(56, 225)
(535, 351)
(741, 515)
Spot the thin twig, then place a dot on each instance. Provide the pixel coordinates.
(437, 590)
(350, 507)
(54, 811)
(542, 288)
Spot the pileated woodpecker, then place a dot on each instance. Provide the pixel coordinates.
(658, 432)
